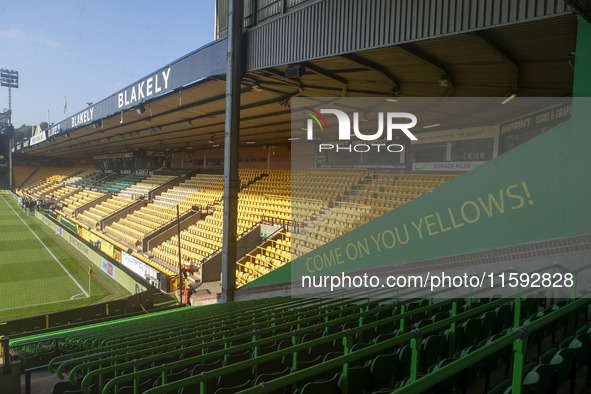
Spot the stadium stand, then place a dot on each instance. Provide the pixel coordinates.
(329, 202)
(266, 195)
(134, 227)
(186, 194)
(86, 179)
(117, 182)
(95, 214)
(204, 238)
(75, 201)
(352, 201)
(20, 174)
(352, 342)
(325, 345)
(142, 188)
(46, 172)
(271, 255)
(62, 191)
(384, 192)
(78, 176)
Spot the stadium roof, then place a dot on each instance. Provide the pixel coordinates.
(531, 58)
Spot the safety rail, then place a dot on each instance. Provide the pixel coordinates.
(283, 222)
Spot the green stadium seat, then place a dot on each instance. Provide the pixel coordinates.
(469, 332)
(303, 364)
(238, 378)
(233, 389)
(538, 381)
(434, 348)
(237, 357)
(206, 366)
(502, 388)
(504, 317)
(566, 361)
(265, 377)
(64, 387)
(183, 340)
(547, 356)
(320, 387)
(358, 381)
(447, 385)
(143, 385)
(383, 371)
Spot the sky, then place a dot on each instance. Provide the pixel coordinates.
(87, 50)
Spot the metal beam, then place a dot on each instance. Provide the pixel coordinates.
(168, 133)
(581, 7)
(502, 54)
(374, 67)
(276, 75)
(10, 146)
(231, 149)
(329, 75)
(425, 58)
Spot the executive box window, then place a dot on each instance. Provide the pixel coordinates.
(215, 162)
(428, 152)
(472, 150)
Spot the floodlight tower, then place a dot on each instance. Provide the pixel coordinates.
(9, 78)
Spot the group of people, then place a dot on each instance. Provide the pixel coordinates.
(188, 268)
(28, 204)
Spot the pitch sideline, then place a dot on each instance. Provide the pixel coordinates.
(46, 248)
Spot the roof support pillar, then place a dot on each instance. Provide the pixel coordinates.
(231, 140)
(10, 146)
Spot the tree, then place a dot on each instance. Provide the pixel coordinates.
(23, 133)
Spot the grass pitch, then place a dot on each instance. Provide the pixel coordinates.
(40, 272)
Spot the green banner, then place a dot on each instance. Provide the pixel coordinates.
(106, 247)
(538, 190)
(68, 223)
